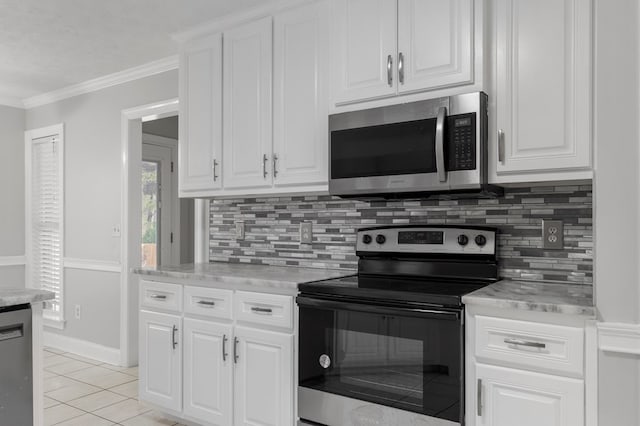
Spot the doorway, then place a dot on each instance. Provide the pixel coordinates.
(167, 236)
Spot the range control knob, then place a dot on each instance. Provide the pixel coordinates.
(481, 240)
(366, 238)
(380, 239)
(463, 240)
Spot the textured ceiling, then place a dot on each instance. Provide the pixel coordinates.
(50, 44)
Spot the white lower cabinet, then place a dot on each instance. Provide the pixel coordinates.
(214, 367)
(208, 371)
(263, 377)
(509, 397)
(161, 360)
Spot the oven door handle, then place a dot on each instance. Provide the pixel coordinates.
(377, 308)
(440, 167)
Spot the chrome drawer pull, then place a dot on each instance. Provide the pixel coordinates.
(527, 343)
(261, 310)
(158, 296)
(206, 303)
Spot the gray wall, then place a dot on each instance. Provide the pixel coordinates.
(617, 190)
(93, 195)
(272, 227)
(11, 193)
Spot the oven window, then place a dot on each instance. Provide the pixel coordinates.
(406, 362)
(390, 149)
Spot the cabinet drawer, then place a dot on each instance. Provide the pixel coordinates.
(264, 309)
(210, 302)
(158, 295)
(544, 347)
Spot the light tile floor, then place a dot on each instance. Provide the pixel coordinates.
(84, 392)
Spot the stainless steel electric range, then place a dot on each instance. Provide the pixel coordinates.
(386, 346)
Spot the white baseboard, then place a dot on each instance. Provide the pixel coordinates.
(82, 347)
(13, 260)
(619, 337)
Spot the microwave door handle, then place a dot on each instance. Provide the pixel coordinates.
(442, 173)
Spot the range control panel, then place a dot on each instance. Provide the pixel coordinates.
(412, 239)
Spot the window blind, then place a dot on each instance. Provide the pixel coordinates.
(46, 217)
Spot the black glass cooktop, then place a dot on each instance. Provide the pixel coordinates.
(426, 291)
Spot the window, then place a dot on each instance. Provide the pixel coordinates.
(44, 216)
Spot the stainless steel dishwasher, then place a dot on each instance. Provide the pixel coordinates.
(16, 366)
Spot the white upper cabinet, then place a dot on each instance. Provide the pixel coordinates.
(300, 135)
(383, 48)
(542, 89)
(434, 43)
(247, 123)
(364, 49)
(201, 114)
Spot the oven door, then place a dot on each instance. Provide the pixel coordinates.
(406, 358)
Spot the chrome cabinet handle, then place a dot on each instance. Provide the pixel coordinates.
(527, 343)
(174, 343)
(501, 146)
(275, 170)
(401, 67)
(206, 303)
(158, 296)
(479, 398)
(215, 166)
(235, 350)
(224, 347)
(389, 70)
(260, 310)
(264, 165)
(442, 173)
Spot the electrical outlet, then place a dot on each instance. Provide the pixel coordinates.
(115, 231)
(77, 311)
(552, 234)
(239, 230)
(306, 232)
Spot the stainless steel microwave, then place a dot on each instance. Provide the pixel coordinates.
(436, 146)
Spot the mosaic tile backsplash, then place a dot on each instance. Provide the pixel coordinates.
(272, 229)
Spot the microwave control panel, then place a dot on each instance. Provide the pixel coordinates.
(461, 148)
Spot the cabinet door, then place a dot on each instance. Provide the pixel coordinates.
(160, 360)
(247, 121)
(513, 397)
(543, 85)
(364, 45)
(263, 378)
(300, 102)
(435, 43)
(201, 115)
(208, 372)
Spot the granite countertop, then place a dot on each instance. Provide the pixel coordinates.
(245, 274)
(569, 299)
(19, 296)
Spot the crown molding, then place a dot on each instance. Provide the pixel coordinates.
(135, 73)
(11, 102)
(236, 18)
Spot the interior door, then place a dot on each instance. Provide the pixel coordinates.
(247, 118)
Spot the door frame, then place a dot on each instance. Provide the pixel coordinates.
(130, 210)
